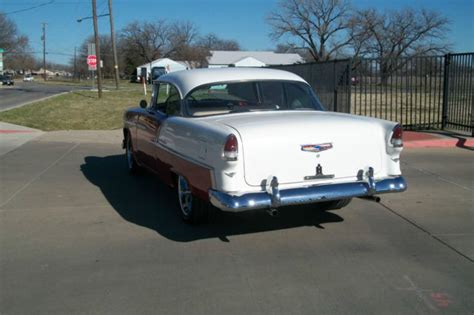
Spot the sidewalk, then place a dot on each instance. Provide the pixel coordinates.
(436, 139)
(14, 136)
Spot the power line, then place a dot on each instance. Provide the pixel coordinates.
(31, 8)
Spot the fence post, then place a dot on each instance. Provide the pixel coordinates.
(335, 85)
(444, 118)
(349, 86)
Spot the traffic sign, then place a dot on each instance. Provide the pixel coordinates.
(92, 62)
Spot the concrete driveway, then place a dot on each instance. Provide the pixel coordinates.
(79, 235)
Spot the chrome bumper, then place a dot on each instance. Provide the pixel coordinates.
(274, 198)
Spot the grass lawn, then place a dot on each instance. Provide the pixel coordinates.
(80, 110)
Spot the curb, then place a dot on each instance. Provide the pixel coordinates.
(440, 143)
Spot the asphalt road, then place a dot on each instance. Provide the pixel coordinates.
(26, 92)
(80, 235)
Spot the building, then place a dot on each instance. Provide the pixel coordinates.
(223, 58)
(169, 64)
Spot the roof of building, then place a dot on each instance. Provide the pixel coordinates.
(224, 57)
(187, 80)
(162, 62)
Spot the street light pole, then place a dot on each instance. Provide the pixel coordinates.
(114, 47)
(97, 48)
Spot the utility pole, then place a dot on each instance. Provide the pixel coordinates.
(75, 65)
(114, 47)
(97, 48)
(44, 50)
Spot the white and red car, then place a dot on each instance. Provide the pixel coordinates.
(243, 139)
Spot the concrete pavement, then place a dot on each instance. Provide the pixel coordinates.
(79, 235)
(13, 136)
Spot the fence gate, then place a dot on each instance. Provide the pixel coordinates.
(330, 80)
(458, 100)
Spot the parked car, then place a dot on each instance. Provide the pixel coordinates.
(28, 78)
(7, 80)
(242, 139)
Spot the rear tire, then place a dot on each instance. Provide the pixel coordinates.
(335, 204)
(192, 209)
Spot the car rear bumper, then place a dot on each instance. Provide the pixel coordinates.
(275, 198)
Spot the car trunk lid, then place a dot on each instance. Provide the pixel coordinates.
(305, 146)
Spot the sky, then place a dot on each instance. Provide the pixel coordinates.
(242, 20)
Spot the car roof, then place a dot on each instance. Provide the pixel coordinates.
(187, 80)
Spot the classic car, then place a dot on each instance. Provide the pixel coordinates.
(240, 139)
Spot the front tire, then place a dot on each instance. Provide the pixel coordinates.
(192, 209)
(131, 162)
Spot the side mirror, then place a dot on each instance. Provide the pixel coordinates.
(143, 104)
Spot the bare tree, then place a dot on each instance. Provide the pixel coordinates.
(291, 49)
(17, 55)
(148, 40)
(321, 25)
(213, 42)
(405, 33)
(106, 56)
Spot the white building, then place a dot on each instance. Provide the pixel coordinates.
(166, 63)
(223, 58)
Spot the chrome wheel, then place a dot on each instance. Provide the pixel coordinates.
(185, 197)
(133, 167)
(129, 154)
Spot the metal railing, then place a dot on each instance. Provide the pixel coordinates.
(428, 92)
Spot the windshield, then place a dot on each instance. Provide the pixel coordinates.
(237, 97)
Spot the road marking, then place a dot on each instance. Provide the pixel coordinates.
(419, 292)
(16, 131)
(38, 175)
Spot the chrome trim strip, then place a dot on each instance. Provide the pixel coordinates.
(171, 151)
(298, 196)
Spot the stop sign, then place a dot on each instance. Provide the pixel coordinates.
(92, 60)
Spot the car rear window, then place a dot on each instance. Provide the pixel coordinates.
(236, 97)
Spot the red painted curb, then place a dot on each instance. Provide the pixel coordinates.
(439, 143)
(16, 131)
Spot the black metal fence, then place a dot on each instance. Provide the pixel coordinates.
(330, 80)
(458, 112)
(430, 92)
(407, 90)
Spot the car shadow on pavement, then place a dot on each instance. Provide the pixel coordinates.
(145, 201)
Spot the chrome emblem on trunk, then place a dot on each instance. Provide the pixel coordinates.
(316, 147)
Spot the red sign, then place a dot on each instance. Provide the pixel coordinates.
(92, 60)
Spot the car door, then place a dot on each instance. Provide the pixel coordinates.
(160, 107)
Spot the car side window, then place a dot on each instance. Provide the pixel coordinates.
(272, 93)
(297, 96)
(167, 99)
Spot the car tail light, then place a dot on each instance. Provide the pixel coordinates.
(231, 148)
(397, 136)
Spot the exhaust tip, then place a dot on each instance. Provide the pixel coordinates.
(371, 198)
(273, 212)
